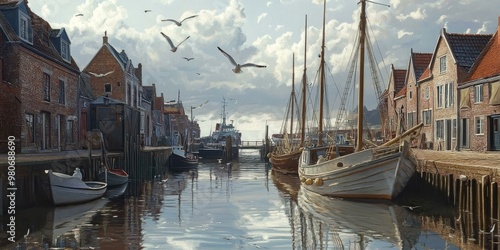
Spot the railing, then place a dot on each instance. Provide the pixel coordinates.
(252, 144)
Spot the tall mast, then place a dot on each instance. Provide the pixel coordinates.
(304, 83)
(362, 25)
(292, 96)
(322, 82)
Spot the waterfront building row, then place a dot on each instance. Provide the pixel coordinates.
(47, 100)
(453, 91)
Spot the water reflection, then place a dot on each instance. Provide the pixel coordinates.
(237, 206)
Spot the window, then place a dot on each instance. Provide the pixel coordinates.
(23, 28)
(426, 93)
(62, 92)
(442, 64)
(440, 129)
(69, 131)
(410, 94)
(427, 117)
(439, 96)
(135, 97)
(129, 90)
(478, 93)
(450, 96)
(454, 129)
(65, 50)
(107, 87)
(479, 125)
(30, 128)
(410, 119)
(46, 87)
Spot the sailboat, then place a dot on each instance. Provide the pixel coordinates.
(285, 157)
(375, 173)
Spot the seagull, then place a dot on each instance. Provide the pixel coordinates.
(146, 11)
(491, 230)
(101, 75)
(238, 67)
(27, 233)
(179, 23)
(411, 208)
(188, 58)
(80, 14)
(198, 73)
(174, 48)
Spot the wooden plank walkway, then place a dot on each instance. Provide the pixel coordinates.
(470, 163)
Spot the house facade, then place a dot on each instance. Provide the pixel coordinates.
(479, 101)
(396, 84)
(416, 66)
(452, 58)
(41, 88)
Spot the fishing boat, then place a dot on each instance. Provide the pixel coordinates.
(286, 153)
(356, 224)
(381, 172)
(67, 189)
(224, 142)
(180, 161)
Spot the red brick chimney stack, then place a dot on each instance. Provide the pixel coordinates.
(105, 38)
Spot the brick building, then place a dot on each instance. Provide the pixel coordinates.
(479, 101)
(39, 81)
(452, 58)
(416, 66)
(396, 83)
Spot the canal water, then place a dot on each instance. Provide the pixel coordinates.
(239, 206)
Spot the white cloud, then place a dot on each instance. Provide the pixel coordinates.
(418, 14)
(403, 33)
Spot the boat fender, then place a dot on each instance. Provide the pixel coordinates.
(303, 179)
(309, 182)
(318, 182)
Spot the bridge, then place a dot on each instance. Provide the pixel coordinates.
(252, 144)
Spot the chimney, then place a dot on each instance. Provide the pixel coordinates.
(105, 38)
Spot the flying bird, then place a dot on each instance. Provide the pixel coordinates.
(411, 208)
(146, 11)
(173, 48)
(101, 75)
(179, 23)
(238, 67)
(188, 58)
(79, 14)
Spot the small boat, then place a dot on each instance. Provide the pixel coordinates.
(114, 177)
(67, 189)
(180, 161)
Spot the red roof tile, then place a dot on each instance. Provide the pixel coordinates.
(487, 64)
(420, 63)
(399, 79)
(425, 75)
(401, 93)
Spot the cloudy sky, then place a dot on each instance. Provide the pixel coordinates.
(263, 32)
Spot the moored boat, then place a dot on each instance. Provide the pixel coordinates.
(180, 161)
(114, 177)
(378, 173)
(67, 189)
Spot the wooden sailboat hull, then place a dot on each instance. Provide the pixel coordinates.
(380, 173)
(67, 189)
(286, 163)
(116, 177)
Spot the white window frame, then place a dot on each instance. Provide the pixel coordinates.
(440, 129)
(442, 64)
(24, 29)
(439, 96)
(454, 129)
(424, 112)
(426, 92)
(479, 125)
(478, 93)
(65, 53)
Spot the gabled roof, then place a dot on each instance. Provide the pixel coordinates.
(487, 64)
(420, 62)
(401, 93)
(464, 48)
(399, 79)
(425, 75)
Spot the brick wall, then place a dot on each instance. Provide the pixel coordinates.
(104, 62)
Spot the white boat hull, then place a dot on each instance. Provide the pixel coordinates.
(365, 174)
(67, 189)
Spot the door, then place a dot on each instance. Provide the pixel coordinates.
(45, 144)
(495, 134)
(448, 135)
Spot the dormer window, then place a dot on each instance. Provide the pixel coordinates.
(65, 50)
(23, 28)
(442, 64)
